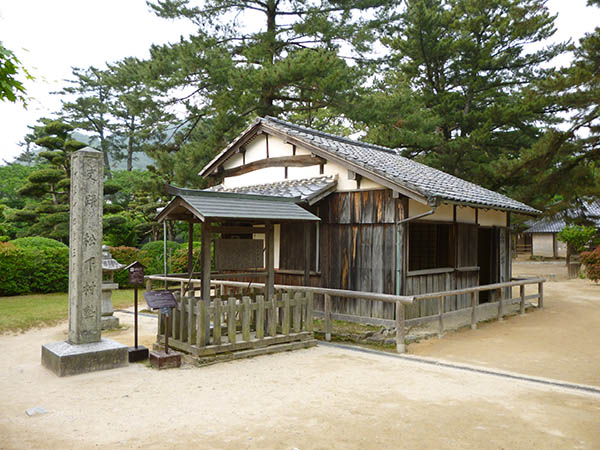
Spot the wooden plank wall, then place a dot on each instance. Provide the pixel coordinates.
(422, 284)
(357, 249)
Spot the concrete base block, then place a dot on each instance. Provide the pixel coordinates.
(162, 360)
(138, 354)
(109, 322)
(66, 359)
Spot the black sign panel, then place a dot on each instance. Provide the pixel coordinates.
(160, 299)
(136, 275)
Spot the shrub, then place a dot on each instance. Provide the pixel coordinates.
(124, 255)
(151, 255)
(179, 258)
(592, 264)
(37, 242)
(29, 269)
(577, 236)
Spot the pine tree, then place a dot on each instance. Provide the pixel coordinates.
(462, 67)
(563, 167)
(256, 58)
(87, 107)
(48, 214)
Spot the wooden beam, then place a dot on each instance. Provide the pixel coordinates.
(206, 276)
(270, 279)
(345, 163)
(190, 254)
(236, 230)
(281, 161)
(307, 248)
(267, 143)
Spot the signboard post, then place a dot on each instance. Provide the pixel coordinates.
(135, 273)
(163, 300)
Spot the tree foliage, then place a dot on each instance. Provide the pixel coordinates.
(566, 160)
(11, 71)
(455, 92)
(256, 58)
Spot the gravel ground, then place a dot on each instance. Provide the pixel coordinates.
(324, 397)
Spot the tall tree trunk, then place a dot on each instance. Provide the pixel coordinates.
(130, 145)
(103, 147)
(268, 92)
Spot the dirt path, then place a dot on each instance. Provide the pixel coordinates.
(310, 399)
(561, 341)
(325, 398)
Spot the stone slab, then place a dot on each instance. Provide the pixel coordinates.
(64, 358)
(161, 360)
(109, 322)
(138, 354)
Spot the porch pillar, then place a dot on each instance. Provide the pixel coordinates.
(307, 254)
(270, 279)
(205, 252)
(190, 254)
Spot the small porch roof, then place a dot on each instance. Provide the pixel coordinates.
(195, 205)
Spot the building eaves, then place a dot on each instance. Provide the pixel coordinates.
(306, 190)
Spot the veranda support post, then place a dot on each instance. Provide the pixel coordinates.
(270, 281)
(474, 310)
(327, 317)
(400, 332)
(205, 286)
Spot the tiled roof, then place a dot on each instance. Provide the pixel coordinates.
(208, 205)
(546, 225)
(589, 210)
(305, 189)
(431, 183)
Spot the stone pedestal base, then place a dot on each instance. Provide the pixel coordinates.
(65, 359)
(138, 354)
(109, 322)
(162, 360)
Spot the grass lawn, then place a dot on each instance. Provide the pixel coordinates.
(23, 312)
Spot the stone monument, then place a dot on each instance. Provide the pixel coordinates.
(85, 350)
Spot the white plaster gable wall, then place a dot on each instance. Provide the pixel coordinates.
(464, 214)
(260, 176)
(256, 150)
(443, 213)
(492, 218)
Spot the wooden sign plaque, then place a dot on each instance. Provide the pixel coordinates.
(160, 299)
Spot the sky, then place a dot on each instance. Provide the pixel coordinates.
(51, 37)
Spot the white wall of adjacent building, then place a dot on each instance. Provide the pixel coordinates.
(542, 244)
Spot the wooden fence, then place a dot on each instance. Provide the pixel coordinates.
(232, 322)
(241, 309)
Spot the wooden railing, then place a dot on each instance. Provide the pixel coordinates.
(523, 248)
(237, 288)
(229, 323)
(474, 291)
(242, 306)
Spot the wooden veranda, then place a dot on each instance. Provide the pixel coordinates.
(210, 322)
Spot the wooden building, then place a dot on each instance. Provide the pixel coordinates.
(388, 224)
(544, 232)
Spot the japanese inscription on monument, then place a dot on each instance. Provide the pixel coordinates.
(85, 271)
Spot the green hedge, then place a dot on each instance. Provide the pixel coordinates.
(151, 255)
(124, 255)
(31, 265)
(37, 242)
(25, 270)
